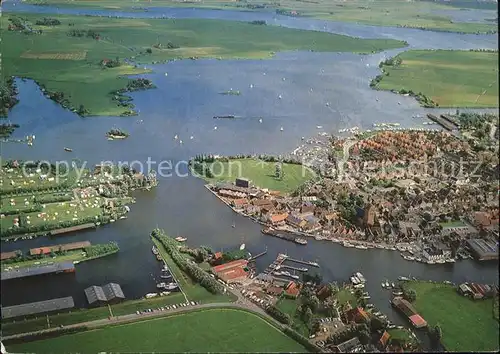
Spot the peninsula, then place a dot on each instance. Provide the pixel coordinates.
(40, 199)
(444, 78)
(390, 188)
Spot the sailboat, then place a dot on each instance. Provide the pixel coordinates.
(233, 225)
(242, 247)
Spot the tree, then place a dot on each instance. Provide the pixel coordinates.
(315, 328)
(410, 295)
(308, 314)
(376, 324)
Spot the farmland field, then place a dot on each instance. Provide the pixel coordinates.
(228, 330)
(261, 173)
(416, 14)
(467, 325)
(450, 78)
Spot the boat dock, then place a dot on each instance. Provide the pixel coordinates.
(277, 263)
(314, 264)
(258, 255)
(442, 122)
(451, 119)
(294, 268)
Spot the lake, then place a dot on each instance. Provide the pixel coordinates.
(184, 104)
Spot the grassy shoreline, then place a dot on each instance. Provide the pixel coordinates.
(444, 78)
(418, 14)
(261, 173)
(68, 60)
(467, 325)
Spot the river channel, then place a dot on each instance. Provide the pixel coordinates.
(183, 104)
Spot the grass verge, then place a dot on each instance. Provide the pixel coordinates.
(221, 330)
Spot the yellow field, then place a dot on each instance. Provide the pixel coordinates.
(56, 56)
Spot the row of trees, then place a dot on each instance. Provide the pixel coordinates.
(47, 21)
(83, 33)
(278, 315)
(8, 93)
(6, 130)
(94, 251)
(202, 169)
(192, 269)
(52, 199)
(51, 226)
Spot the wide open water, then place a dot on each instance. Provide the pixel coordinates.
(184, 104)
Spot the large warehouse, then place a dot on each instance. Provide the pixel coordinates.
(39, 307)
(101, 295)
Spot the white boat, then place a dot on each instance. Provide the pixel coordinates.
(281, 129)
(354, 280)
(450, 260)
(327, 104)
(166, 74)
(387, 285)
(215, 128)
(251, 86)
(431, 262)
(260, 120)
(279, 96)
(319, 127)
(392, 284)
(180, 239)
(403, 278)
(359, 286)
(397, 293)
(242, 247)
(360, 277)
(383, 285)
(176, 137)
(191, 137)
(151, 295)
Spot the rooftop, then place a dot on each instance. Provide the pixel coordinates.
(34, 308)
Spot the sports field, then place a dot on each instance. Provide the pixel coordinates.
(215, 330)
(71, 64)
(261, 173)
(451, 78)
(416, 14)
(467, 325)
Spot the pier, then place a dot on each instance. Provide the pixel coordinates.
(258, 255)
(442, 122)
(294, 268)
(277, 263)
(314, 264)
(451, 119)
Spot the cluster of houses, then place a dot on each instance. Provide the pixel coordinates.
(478, 291)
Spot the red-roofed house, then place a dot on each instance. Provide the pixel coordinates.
(357, 315)
(226, 266)
(239, 203)
(417, 321)
(292, 289)
(277, 219)
(384, 340)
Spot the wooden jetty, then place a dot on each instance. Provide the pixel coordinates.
(442, 122)
(451, 119)
(258, 255)
(277, 263)
(294, 268)
(314, 264)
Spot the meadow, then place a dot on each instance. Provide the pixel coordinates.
(72, 65)
(261, 173)
(221, 330)
(415, 14)
(449, 78)
(467, 325)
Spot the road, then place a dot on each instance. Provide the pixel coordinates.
(242, 304)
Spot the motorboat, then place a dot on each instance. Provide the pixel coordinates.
(397, 293)
(180, 239)
(300, 241)
(360, 277)
(359, 286)
(68, 149)
(281, 129)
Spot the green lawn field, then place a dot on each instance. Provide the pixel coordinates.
(416, 14)
(261, 173)
(72, 64)
(450, 78)
(221, 330)
(467, 325)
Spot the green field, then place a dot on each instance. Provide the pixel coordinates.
(261, 173)
(72, 64)
(289, 306)
(416, 14)
(201, 331)
(449, 78)
(467, 325)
